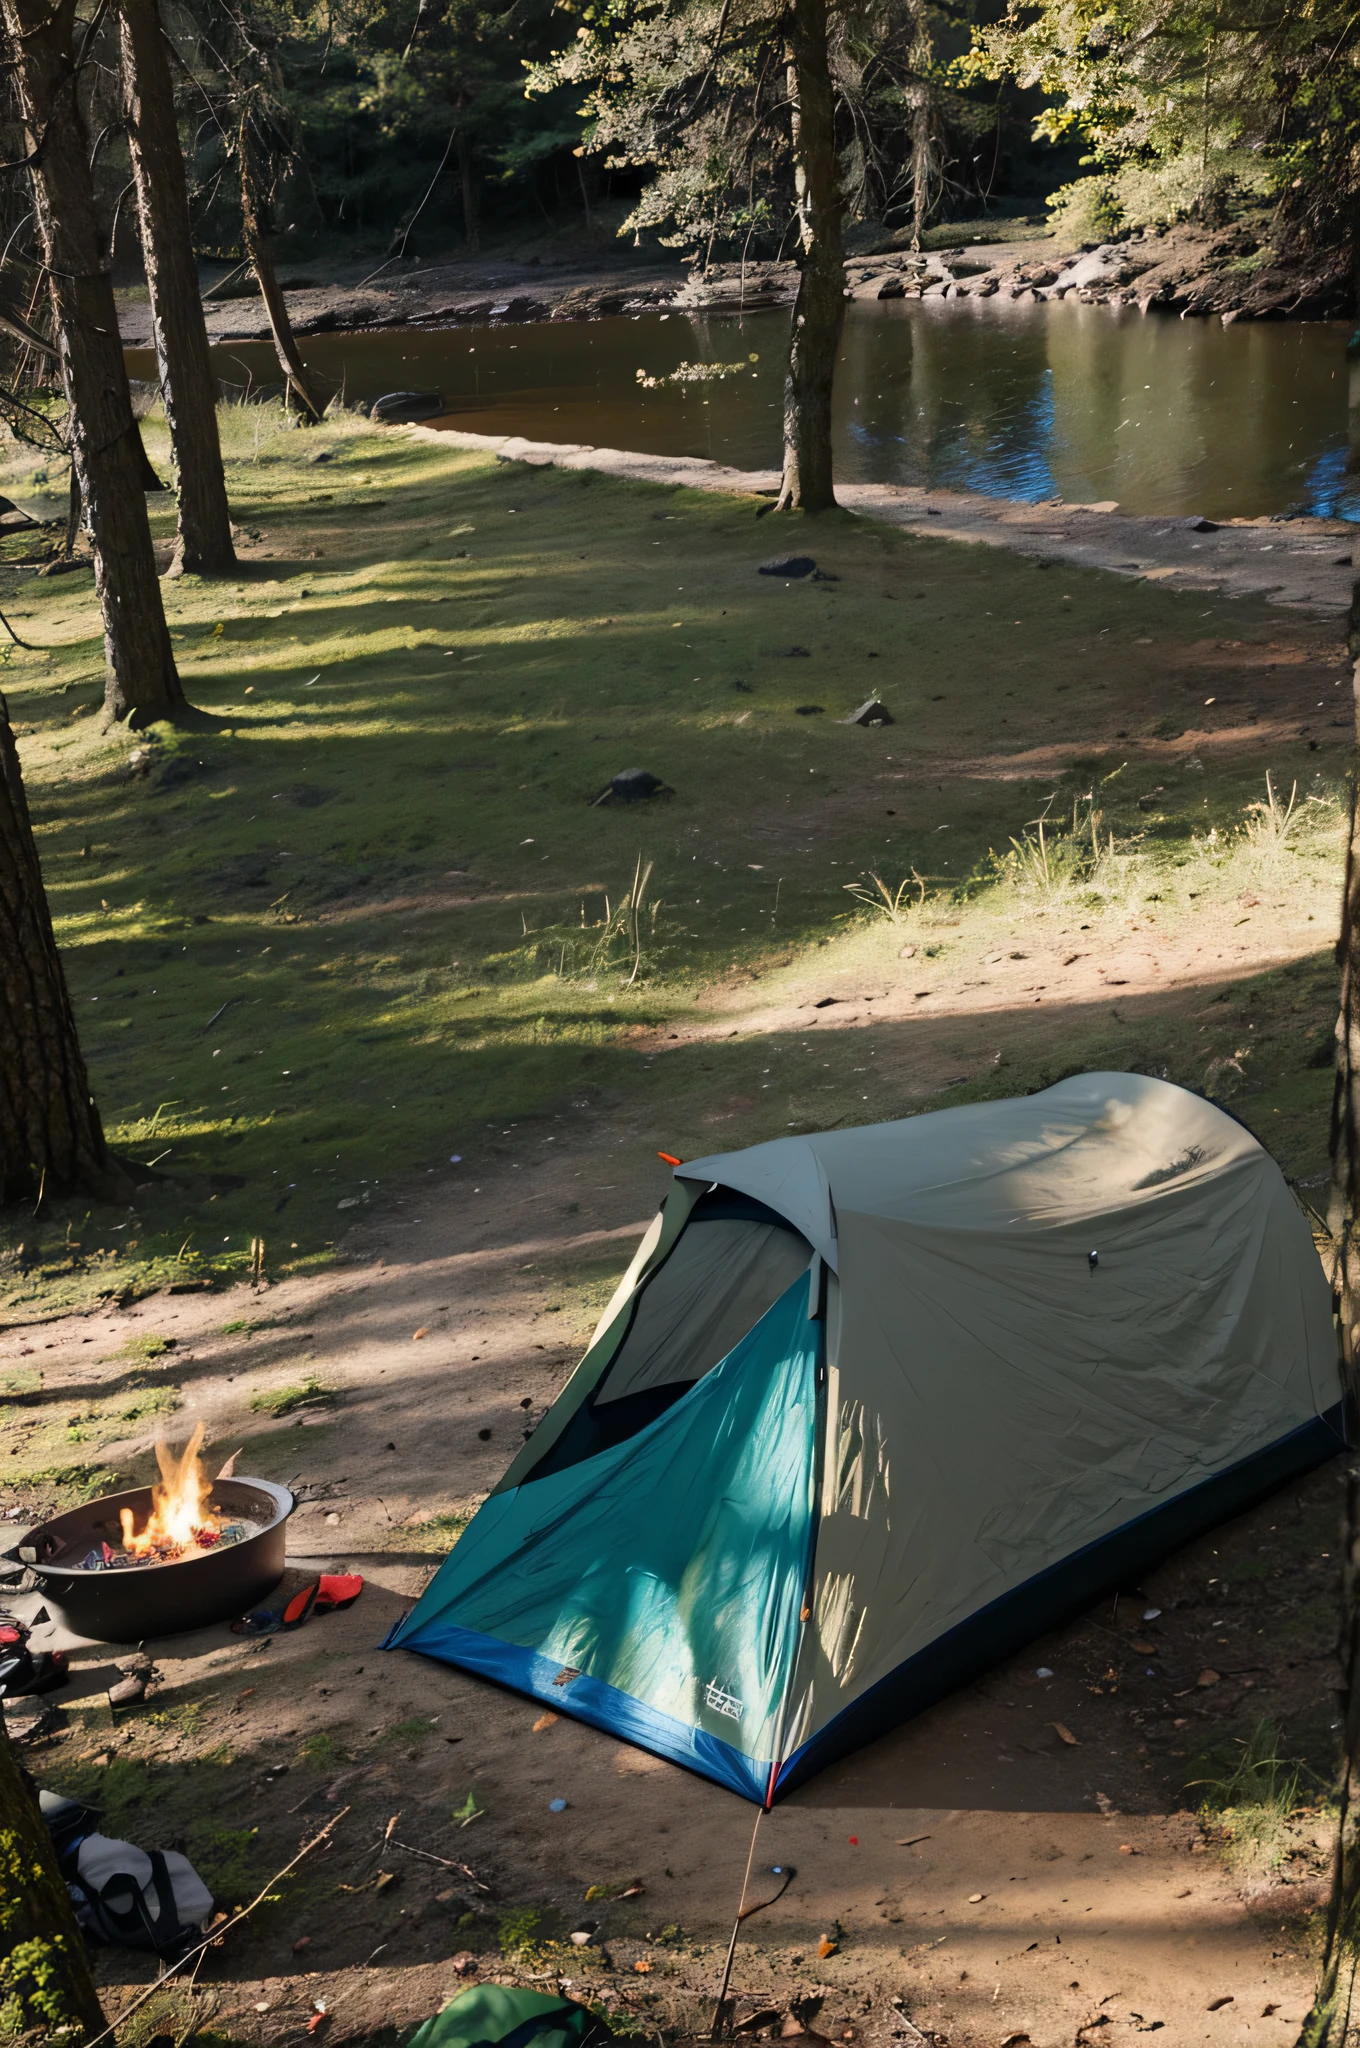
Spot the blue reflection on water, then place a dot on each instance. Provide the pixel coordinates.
(1329, 492)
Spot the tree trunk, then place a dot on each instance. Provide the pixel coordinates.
(921, 56)
(187, 381)
(51, 1139)
(45, 1981)
(266, 276)
(468, 181)
(141, 680)
(819, 310)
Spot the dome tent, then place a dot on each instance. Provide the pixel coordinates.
(873, 1407)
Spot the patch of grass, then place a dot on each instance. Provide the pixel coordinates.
(383, 878)
(414, 1729)
(434, 1533)
(321, 1751)
(186, 1720)
(1252, 1803)
(156, 1401)
(229, 1862)
(278, 1401)
(144, 1349)
(518, 1932)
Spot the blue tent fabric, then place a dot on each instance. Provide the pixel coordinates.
(655, 1589)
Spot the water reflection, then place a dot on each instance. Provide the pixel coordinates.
(1021, 401)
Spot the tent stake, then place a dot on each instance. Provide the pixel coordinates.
(714, 2032)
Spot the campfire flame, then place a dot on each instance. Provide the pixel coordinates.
(180, 1514)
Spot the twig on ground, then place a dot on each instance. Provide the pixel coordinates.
(446, 1861)
(219, 1933)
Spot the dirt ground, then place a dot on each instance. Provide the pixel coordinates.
(993, 1874)
(1069, 1850)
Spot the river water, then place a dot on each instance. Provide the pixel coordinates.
(1024, 401)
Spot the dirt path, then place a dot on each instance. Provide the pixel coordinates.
(978, 1866)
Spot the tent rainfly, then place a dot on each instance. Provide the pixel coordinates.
(872, 1408)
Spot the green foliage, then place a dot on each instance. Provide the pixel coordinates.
(278, 1401)
(693, 94)
(146, 1348)
(385, 104)
(1189, 112)
(518, 1932)
(1252, 1802)
(33, 1979)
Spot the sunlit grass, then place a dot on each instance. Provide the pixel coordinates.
(370, 919)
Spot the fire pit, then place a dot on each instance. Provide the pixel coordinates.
(159, 1559)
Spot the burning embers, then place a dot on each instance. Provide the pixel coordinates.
(182, 1523)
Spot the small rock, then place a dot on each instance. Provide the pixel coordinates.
(1208, 1678)
(870, 712)
(1196, 524)
(406, 405)
(634, 785)
(808, 710)
(127, 1692)
(790, 566)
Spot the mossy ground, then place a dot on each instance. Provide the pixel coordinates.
(368, 918)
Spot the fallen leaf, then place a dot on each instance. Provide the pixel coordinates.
(317, 2021)
(1267, 2010)
(1207, 1678)
(421, 1332)
(1215, 2003)
(643, 1967)
(301, 1943)
(1064, 1734)
(910, 1841)
(544, 1721)
(1127, 1849)
(1145, 1649)
(384, 1879)
(826, 1946)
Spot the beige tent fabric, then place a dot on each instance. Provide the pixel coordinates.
(716, 1285)
(1089, 1145)
(995, 1401)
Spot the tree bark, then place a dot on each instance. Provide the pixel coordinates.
(45, 1981)
(51, 1139)
(266, 276)
(819, 310)
(467, 178)
(187, 381)
(141, 682)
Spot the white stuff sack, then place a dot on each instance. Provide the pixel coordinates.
(141, 1900)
